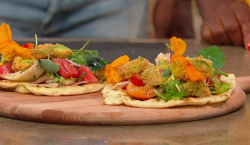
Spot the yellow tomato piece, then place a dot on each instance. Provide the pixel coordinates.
(140, 92)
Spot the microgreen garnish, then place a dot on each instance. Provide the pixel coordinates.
(170, 91)
(36, 40)
(219, 88)
(89, 58)
(220, 73)
(81, 76)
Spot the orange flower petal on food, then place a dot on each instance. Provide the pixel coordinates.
(111, 72)
(29, 45)
(8, 47)
(193, 74)
(120, 61)
(178, 45)
(178, 66)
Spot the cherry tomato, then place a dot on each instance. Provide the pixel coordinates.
(211, 81)
(136, 80)
(140, 92)
(67, 70)
(88, 74)
(6, 69)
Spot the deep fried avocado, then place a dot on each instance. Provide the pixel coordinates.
(203, 65)
(197, 88)
(153, 76)
(136, 66)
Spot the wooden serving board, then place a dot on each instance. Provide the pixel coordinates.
(89, 110)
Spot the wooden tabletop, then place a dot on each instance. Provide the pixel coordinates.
(233, 128)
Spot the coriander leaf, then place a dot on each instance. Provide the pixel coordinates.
(171, 92)
(166, 73)
(220, 73)
(48, 66)
(214, 54)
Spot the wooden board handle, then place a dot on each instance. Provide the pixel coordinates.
(243, 83)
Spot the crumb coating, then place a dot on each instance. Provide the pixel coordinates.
(136, 66)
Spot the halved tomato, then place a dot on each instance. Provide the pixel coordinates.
(67, 70)
(141, 93)
(137, 81)
(6, 68)
(88, 75)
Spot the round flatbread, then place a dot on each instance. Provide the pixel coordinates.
(124, 98)
(39, 89)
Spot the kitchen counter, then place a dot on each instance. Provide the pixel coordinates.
(229, 129)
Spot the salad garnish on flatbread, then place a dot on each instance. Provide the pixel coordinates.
(171, 81)
(49, 69)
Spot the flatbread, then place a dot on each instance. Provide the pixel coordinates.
(123, 98)
(38, 89)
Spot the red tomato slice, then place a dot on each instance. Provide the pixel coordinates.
(88, 75)
(67, 70)
(6, 69)
(137, 81)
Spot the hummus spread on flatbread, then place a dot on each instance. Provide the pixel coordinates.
(171, 81)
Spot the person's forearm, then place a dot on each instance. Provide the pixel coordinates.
(206, 7)
(162, 16)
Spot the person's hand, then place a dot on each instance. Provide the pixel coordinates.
(228, 23)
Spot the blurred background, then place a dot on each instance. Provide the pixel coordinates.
(197, 20)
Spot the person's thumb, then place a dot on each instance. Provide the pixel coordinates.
(242, 11)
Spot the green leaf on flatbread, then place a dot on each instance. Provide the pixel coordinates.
(48, 66)
(214, 54)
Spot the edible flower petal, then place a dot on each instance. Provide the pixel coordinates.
(193, 74)
(178, 66)
(178, 45)
(9, 48)
(111, 72)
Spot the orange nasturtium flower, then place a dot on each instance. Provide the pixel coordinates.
(193, 74)
(111, 72)
(181, 68)
(9, 48)
(177, 45)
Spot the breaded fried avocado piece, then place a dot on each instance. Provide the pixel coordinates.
(203, 65)
(153, 76)
(61, 51)
(21, 64)
(135, 66)
(100, 74)
(197, 88)
(56, 51)
(42, 51)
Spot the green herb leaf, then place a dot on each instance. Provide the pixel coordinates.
(171, 92)
(78, 58)
(218, 87)
(220, 73)
(166, 73)
(214, 54)
(95, 63)
(48, 66)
